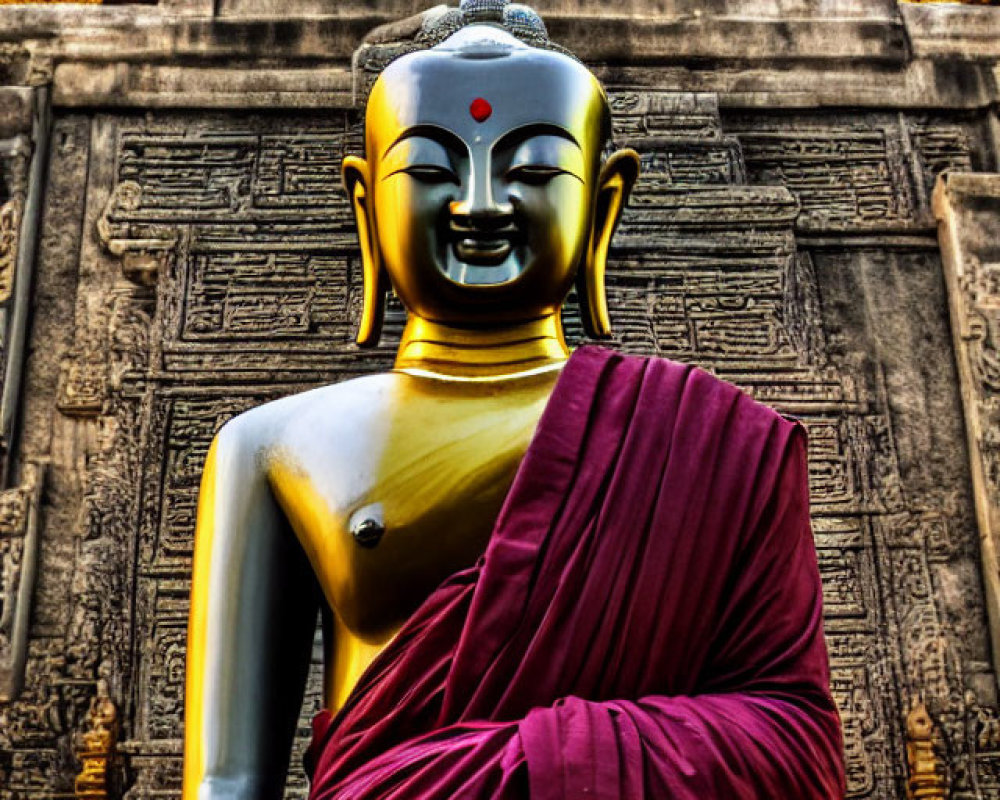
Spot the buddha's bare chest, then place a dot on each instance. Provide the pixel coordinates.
(389, 498)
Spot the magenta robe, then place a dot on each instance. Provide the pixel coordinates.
(646, 621)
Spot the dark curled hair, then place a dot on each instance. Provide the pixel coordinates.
(519, 20)
(429, 28)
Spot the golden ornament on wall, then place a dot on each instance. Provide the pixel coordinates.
(97, 748)
(926, 781)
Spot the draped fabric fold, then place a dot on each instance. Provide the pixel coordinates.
(645, 623)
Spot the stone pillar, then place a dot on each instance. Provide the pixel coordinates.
(967, 207)
(24, 126)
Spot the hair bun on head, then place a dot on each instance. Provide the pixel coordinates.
(517, 19)
(437, 24)
(482, 10)
(521, 20)
(524, 21)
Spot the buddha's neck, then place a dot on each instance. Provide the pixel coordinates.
(457, 352)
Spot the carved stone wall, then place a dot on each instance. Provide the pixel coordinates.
(195, 262)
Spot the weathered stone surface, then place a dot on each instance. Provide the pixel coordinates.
(952, 31)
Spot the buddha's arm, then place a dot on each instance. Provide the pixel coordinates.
(764, 723)
(253, 612)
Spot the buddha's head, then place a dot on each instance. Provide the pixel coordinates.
(485, 190)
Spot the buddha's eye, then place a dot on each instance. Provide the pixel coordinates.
(534, 174)
(429, 173)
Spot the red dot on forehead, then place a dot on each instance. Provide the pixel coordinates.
(480, 109)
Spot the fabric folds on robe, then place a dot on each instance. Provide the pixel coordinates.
(645, 623)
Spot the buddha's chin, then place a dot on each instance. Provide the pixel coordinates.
(478, 267)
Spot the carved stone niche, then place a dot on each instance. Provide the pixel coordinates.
(967, 206)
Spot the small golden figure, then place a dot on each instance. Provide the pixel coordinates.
(926, 781)
(97, 748)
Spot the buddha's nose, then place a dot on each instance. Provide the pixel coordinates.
(479, 205)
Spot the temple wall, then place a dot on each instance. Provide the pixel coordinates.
(817, 220)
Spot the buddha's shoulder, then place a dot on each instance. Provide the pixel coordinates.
(705, 385)
(326, 410)
(710, 396)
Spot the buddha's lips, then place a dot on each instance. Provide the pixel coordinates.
(482, 253)
(482, 247)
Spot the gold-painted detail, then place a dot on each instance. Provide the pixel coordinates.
(927, 781)
(416, 372)
(473, 353)
(97, 748)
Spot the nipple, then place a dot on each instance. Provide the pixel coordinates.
(367, 526)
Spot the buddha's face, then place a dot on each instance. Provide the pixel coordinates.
(482, 174)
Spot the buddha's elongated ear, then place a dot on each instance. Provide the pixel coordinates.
(617, 178)
(357, 180)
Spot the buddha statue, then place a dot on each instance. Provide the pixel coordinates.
(502, 539)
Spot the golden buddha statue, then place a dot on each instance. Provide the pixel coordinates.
(481, 207)
(486, 190)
